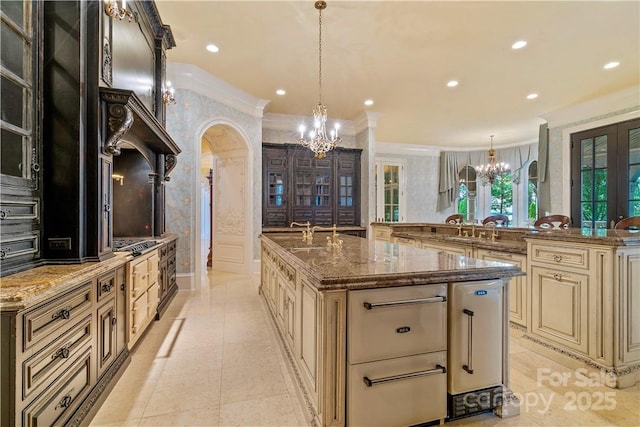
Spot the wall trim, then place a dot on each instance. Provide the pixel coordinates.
(186, 281)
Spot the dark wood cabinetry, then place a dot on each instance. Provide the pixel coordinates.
(298, 187)
(167, 284)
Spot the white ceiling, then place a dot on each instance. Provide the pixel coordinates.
(401, 54)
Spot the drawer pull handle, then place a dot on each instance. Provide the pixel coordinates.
(65, 402)
(65, 313)
(369, 305)
(469, 366)
(403, 329)
(557, 276)
(106, 287)
(438, 370)
(557, 258)
(62, 353)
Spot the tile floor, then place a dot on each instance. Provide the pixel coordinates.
(214, 360)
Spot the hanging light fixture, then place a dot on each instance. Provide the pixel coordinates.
(318, 141)
(490, 171)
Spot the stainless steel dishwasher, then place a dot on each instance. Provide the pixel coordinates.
(474, 377)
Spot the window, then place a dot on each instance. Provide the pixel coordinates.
(605, 174)
(390, 191)
(532, 192)
(502, 196)
(467, 193)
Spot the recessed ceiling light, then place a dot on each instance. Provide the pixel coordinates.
(368, 102)
(452, 83)
(281, 92)
(610, 65)
(519, 44)
(212, 48)
(532, 96)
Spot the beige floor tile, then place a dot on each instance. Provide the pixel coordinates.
(249, 353)
(127, 423)
(198, 417)
(267, 411)
(126, 402)
(251, 382)
(179, 393)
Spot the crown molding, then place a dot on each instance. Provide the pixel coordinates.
(188, 76)
(288, 122)
(617, 101)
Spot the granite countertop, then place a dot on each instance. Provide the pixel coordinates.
(298, 229)
(603, 236)
(30, 287)
(367, 263)
(512, 246)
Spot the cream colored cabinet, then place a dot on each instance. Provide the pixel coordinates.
(584, 304)
(518, 289)
(381, 232)
(143, 294)
(448, 248)
(559, 306)
(405, 241)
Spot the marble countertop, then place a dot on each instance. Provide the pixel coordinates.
(298, 229)
(30, 287)
(367, 263)
(512, 246)
(511, 235)
(602, 236)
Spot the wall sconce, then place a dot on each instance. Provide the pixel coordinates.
(167, 94)
(118, 177)
(112, 9)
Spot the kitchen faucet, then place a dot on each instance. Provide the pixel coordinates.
(332, 241)
(307, 235)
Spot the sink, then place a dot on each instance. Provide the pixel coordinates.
(461, 239)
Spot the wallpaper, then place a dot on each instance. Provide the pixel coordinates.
(187, 120)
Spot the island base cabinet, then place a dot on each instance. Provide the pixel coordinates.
(397, 392)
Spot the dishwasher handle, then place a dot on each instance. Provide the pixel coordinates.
(372, 305)
(439, 369)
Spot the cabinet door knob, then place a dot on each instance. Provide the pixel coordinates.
(557, 258)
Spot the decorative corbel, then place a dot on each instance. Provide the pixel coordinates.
(119, 121)
(170, 162)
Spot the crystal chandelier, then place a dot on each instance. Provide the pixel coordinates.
(493, 169)
(317, 140)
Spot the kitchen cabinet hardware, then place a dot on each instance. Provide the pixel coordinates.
(370, 306)
(65, 402)
(65, 314)
(439, 369)
(62, 353)
(557, 258)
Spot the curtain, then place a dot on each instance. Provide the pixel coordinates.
(448, 180)
(544, 187)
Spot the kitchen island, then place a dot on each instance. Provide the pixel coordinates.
(369, 330)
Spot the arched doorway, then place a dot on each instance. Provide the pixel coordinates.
(227, 222)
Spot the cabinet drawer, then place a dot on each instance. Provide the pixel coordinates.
(397, 392)
(403, 241)
(60, 400)
(39, 370)
(45, 323)
(565, 256)
(172, 248)
(106, 286)
(394, 322)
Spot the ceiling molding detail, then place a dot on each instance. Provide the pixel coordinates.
(617, 101)
(275, 121)
(187, 76)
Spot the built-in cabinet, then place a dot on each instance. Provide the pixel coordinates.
(167, 284)
(582, 304)
(299, 187)
(143, 294)
(59, 355)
